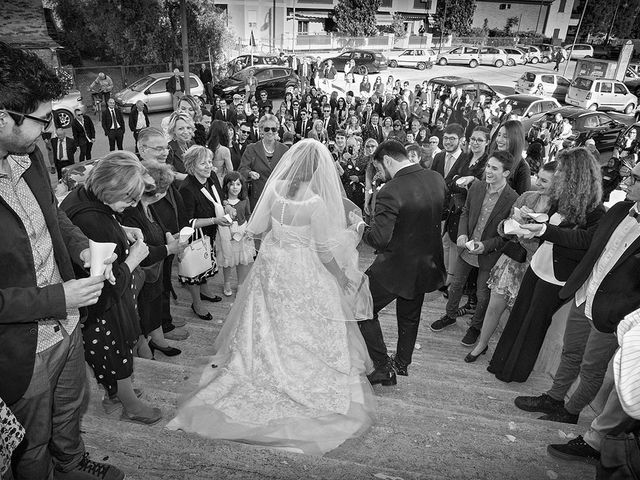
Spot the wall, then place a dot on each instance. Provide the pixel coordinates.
(498, 18)
(560, 20)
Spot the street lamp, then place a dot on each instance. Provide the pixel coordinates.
(615, 14)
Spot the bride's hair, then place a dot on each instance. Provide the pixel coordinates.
(303, 174)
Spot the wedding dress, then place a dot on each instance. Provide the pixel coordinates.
(290, 364)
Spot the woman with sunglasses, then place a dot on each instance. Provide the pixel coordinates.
(261, 157)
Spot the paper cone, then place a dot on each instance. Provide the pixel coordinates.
(185, 233)
(99, 253)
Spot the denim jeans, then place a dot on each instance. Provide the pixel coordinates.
(456, 289)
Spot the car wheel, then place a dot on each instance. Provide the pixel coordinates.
(593, 107)
(421, 66)
(534, 60)
(511, 62)
(629, 108)
(587, 56)
(473, 63)
(63, 118)
(362, 70)
(545, 59)
(393, 64)
(442, 61)
(499, 64)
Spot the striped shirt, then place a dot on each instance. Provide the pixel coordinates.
(626, 364)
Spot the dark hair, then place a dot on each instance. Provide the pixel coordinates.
(549, 166)
(341, 133)
(515, 134)
(26, 81)
(485, 130)
(392, 148)
(206, 113)
(455, 129)
(230, 178)
(218, 135)
(504, 157)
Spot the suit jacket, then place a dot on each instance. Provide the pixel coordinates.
(438, 166)
(490, 238)
(254, 159)
(133, 117)
(307, 128)
(332, 126)
(373, 132)
(107, 121)
(22, 303)
(237, 150)
(619, 292)
(81, 133)
(171, 84)
(405, 232)
(196, 205)
(231, 116)
(71, 149)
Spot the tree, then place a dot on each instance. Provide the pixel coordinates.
(459, 16)
(357, 18)
(599, 16)
(511, 22)
(397, 24)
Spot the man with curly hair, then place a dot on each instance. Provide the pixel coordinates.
(41, 354)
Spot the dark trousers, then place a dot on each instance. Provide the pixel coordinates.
(461, 273)
(115, 136)
(50, 411)
(167, 288)
(408, 316)
(85, 150)
(61, 164)
(135, 140)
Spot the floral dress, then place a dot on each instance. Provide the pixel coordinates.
(11, 434)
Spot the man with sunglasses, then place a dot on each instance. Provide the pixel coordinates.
(238, 146)
(42, 366)
(303, 125)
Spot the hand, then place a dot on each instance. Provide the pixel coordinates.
(137, 252)
(478, 248)
(85, 257)
(465, 181)
(254, 175)
(174, 247)
(83, 292)
(367, 207)
(534, 228)
(133, 234)
(462, 239)
(354, 178)
(354, 218)
(229, 210)
(221, 222)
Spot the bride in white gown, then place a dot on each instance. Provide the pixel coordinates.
(290, 365)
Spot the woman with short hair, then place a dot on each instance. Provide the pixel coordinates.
(111, 329)
(180, 129)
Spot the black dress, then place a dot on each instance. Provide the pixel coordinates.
(112, 328)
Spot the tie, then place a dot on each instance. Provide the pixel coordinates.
(114, 125)
(448, 163)
(635, 215)
(224, 115)
(60, 150)
(304, 127)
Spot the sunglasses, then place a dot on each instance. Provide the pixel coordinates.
(246, 132)
(44, 121)
(270, 129)
(633, 179)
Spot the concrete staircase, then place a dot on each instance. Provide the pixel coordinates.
(447, 420)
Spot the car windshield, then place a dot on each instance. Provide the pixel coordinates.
(241, 75)
(529, 77)
(583, 83)
(142, 84)
(517, 106)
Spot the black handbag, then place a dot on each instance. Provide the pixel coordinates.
(515, 251)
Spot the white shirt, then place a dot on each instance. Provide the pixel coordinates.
(627, 232)
(142, 123)
(542, 260)
(62, 149)
(626, 364)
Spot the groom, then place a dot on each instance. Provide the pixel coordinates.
(405, 233)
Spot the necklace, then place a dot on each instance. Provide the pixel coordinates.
(267, 151)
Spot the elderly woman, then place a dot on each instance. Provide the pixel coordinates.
(169, 212)
(161, 245)
(180, 129)
(204, 211)
(111, 329)
(260, 158)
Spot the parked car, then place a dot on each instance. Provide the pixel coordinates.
(601, 94)
(516, 56)
(492, 56)
(467, 85)
(463, 55)
(552, 84)
(152, 90)
(534, 53)
(367, 61)
(608, 52)
(526, 106)
(244, 61)
(548, 52)
(415, 58)
(63, 108)
(626, 134)
(585, 124)
(579, 50)
(273, 79)
(632, 80)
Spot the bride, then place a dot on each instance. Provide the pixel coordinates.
(290, 364)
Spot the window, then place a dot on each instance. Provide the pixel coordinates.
(562, 82)
(534, 109)
(502, 6)
(158, 87)
(547, 79)
(470, 50)
(605, 87)
(620, 89)
(303, 28)
(603, 120)
(457, 51)
(193, 83)
(386, 3)
(563, 4)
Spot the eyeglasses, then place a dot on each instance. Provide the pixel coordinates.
(369, 146)
(476, 139)
(46, 121)
(450, 139)
(157, 149)
(246, 132)
(434, 142)
(270, 129)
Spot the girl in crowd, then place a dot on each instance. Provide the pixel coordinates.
(506, 276)
(575, 211)
(387, 127)
(510, 137)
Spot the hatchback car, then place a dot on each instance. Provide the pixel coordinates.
(601, 94)
(367, 61)
(63, 108)
(460, 56)
(492, 56)
(545, 84)
(548, 52)
(415, 58)
(152, 90)
(516, 56)
(534, 53)
(579, 50)
(585, 124)
(632, 80)
(526, 106)
(274, 80)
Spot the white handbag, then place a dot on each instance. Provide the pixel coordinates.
(197, 258)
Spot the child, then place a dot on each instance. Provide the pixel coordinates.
(240, 249)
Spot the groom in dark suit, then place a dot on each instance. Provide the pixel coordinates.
(405, 232)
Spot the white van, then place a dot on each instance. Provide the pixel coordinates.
(580, 50)
(601, 94)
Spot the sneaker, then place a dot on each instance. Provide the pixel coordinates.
(561, 416)
(442, 323)
(576, 450)
(87, 469)
(471, 337)
(543, 403)
(177, 334)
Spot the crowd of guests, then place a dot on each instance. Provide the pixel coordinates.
(523, 230)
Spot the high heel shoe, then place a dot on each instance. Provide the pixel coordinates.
(470, 358)
(208, 316)
(168, 351)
